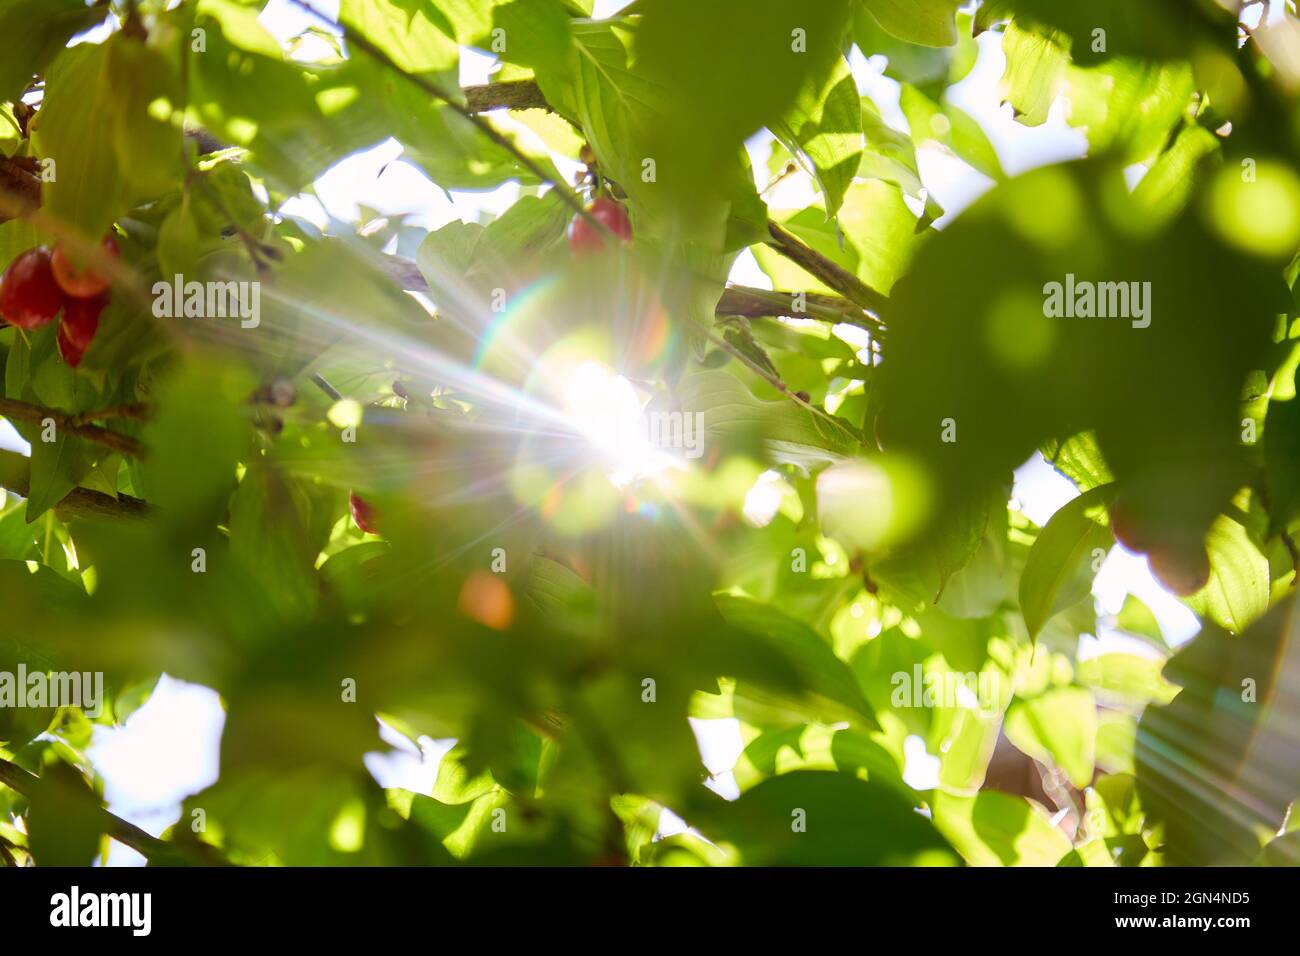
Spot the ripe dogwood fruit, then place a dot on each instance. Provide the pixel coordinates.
(363, 513)
(1128, 529)
(585, 238)
(78, 327)
(1183, 572)
(82, 283)
(29, 294)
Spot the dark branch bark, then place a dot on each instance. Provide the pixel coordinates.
(20, 188)
(514, 95)
(759, 303)
(830, 273)
(73, 425)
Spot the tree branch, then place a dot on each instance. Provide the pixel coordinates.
(20, 187)
(15, 475)
(736, 300)
(513, 95)
(362, 42)
(830, 273)
(759, 303)
(74, 425)
(146, 844)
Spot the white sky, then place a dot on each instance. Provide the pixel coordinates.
(169, 748)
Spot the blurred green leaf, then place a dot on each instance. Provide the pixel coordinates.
(1065, 558)
(1059, 727)
(997, 829)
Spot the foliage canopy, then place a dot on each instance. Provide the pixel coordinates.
(841, 569)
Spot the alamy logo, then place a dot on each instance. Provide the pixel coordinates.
(661, 431)
(683, 431)
(950, 689)
(55, 689)
(133, 910)
(208, 300)
(1100, 300)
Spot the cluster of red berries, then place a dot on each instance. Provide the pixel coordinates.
(40, 284)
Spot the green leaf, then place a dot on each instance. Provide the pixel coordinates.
(1058, 727)
(780, 430)
(822, 672)
(1171, 181)
(825, 123)
(908, 62)
(17, 539)
(739, 67)
(1136, 618)
(64, 821)
(471, 20)
(560, 594)
(1104, 29)
(148, 104)
(1282, 461)
(1130, 678)
(1128, 106)
(71, 130)
(536, 34)
(997, 829)
(1035, 73)
(1064, 559)
(198, 438)
(812, 817)
(875, 237)
(56, 467)
(1080, 459)
(1238, 589)
(1281, 851)
(951, 127)
(34, 32)
(965, 738)
(413, 33)
(527, 230)
(918, 572)
(927, 22)
(975, 340)
(296, 121)
(179, 242)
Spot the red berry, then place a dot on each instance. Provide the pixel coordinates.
(585, 238)
(71, 352)
(81, 320)
(1182, 572)
(1129, 530)
(82, 283)
(29, 295)
(363, 513)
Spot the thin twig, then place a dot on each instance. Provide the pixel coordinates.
(362, 42)
(135, 411)
(831, 273)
